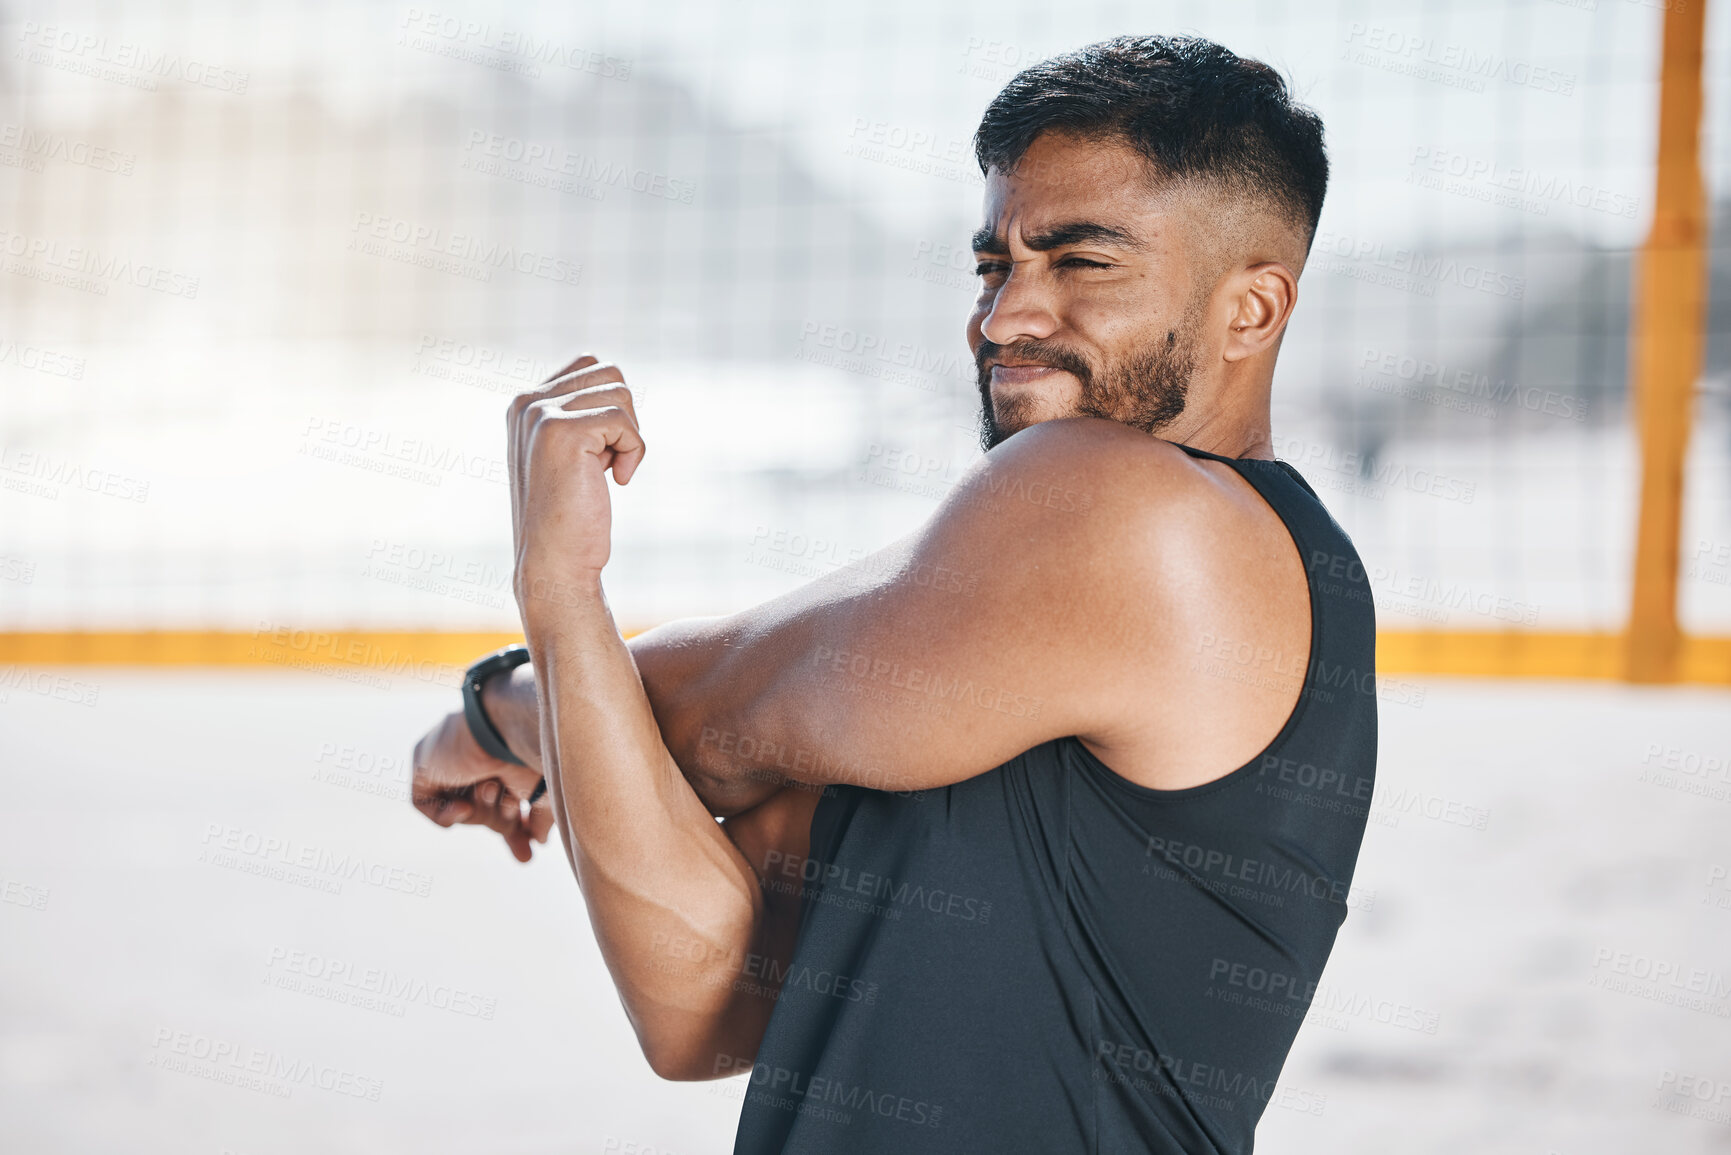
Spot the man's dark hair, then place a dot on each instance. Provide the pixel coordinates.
(1192, 108)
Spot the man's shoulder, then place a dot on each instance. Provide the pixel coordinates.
(1173, 552)
(1108, 450)
(1117, 495)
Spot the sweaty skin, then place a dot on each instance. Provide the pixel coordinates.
(873, 676)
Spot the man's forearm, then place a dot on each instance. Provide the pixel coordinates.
(656, 870)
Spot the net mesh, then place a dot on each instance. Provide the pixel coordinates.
(271, 274)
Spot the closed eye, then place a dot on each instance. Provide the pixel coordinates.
(985, 268)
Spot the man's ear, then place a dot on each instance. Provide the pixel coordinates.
(1265, 296)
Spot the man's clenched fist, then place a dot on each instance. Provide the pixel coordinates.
(456, 781)
(560, 442)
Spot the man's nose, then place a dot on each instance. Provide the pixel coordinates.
(1021, 310)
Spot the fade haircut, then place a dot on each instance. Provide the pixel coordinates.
(1195, 111)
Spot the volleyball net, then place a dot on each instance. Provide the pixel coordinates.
(270, 279)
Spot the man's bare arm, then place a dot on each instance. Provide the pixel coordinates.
(677, 906)
(1075, 604)
(1039, 602)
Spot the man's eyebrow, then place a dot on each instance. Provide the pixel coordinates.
(1069, 233)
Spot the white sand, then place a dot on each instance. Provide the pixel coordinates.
(141, 948)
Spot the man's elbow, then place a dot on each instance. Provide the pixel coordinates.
(692, 1061)
(695, 1045)
(723, 781)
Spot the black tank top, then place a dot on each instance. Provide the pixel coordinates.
(1050, 958)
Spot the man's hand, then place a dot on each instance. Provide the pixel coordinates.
(456, 781)
(560, 442)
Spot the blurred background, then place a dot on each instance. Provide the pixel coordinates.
(269, 275)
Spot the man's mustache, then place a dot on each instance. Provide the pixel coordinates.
(1047, 353)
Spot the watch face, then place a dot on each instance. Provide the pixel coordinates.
(508, 658)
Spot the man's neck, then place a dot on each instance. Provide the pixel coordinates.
(1228, 412)
(1226, 435)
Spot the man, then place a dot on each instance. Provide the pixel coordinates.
(1038, 825)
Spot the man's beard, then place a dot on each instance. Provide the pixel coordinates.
(1146, 392)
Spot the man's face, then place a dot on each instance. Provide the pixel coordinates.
(1086, 303)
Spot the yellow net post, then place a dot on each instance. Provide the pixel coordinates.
(1666, 343)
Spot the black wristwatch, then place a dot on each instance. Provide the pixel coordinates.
(486, 734)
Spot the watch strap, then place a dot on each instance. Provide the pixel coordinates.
(487, 735)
